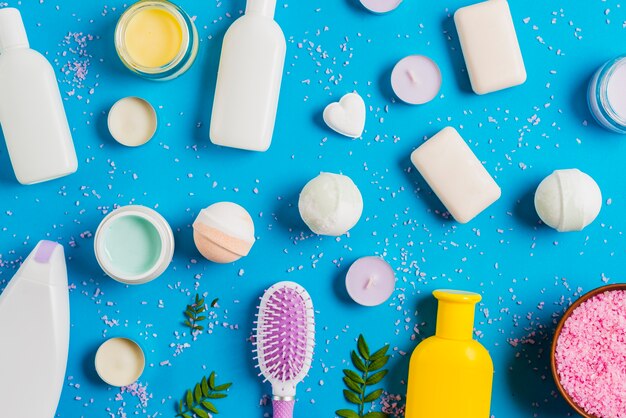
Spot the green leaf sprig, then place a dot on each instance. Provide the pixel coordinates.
(193, 314)
(198, 402)
(370, 368)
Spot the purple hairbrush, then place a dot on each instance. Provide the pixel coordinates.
(285, 336)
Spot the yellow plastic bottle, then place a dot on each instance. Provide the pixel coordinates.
(450, 374)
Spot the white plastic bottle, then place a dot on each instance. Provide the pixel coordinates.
(34, 335)
(31, 110)
(248, 80)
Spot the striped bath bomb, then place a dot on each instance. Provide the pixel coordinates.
(223, 232)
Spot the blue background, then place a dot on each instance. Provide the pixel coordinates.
(526, 272)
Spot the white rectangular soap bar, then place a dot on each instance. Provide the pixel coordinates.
(455, 174)
(490, 46)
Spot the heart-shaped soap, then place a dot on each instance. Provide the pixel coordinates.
(347, 116)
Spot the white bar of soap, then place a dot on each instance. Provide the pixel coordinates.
(455, 174)
(490, 46)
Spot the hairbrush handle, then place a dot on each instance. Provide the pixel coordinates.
(283, 408)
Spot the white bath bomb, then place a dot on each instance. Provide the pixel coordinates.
(330, 204)
(568, 200)
(224, 232)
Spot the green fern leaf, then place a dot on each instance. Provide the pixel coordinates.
(376, 377)
(380, 353)
(363, 348)
(200, 412)
(358, 363)
(371, 397)
(379, 364)
(210, 407)
(353, 376)
(351, 397)
(346, 413)
(376, 415)
(189, 399)
(223, 387)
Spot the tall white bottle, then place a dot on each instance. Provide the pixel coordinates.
(34, 335)
(31, 110)
(248, 80)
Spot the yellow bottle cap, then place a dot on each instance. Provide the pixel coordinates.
(455, 315)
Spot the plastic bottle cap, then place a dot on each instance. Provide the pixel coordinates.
(265, 8)
(12, 31)
(455, 314)
(459, 296)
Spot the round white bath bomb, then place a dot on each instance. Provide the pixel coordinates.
(330, 204)
(224, 232)
(568, 200)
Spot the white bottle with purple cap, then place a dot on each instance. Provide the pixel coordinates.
(34, 335)
(31, 110)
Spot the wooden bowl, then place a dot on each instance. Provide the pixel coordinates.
(557, 334)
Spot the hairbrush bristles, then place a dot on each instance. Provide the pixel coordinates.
(285, 336)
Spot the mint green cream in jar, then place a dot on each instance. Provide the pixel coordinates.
(134, 244)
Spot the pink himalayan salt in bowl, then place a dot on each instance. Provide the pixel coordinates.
(589, 353)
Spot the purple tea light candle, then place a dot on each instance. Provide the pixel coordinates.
(381, 6)
(416, 79)
(370, 281)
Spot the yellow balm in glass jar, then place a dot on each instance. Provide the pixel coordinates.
(156, 39)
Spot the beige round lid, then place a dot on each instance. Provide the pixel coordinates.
(132, 121)
(120, 361)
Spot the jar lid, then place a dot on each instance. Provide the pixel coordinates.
(132, 121)
(120, 361)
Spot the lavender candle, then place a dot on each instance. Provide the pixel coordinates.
(370, 281)
(416, 79)
(381, 6)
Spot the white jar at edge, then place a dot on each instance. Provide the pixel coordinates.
(607, 95)
(248, 80)
(31, 110)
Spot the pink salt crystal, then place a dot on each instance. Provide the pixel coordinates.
(591, 355)
(392, 405)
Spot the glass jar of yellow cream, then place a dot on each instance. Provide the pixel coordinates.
(156, 39)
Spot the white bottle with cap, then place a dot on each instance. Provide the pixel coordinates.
(34, 335)
(31, 110)
(248, 80)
